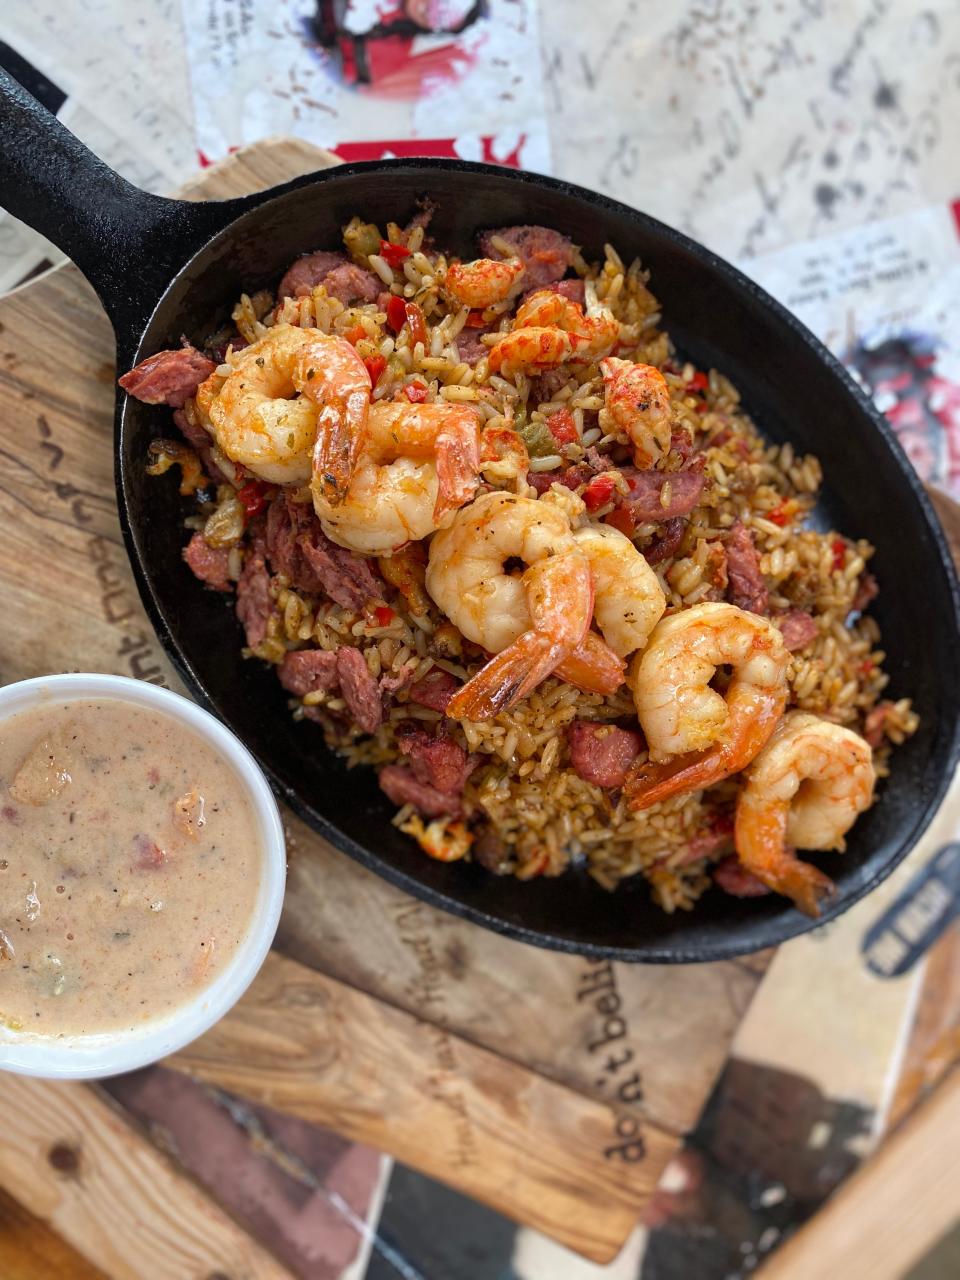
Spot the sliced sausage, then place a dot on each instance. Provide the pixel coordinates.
(209, 564)
(341, 278)
(706, 843)
(602, 753)
(545, 253)
(202, 441)
(254, 603)
(470, 348)
(874, 724)
(345, 577)
(307, 272)
(797, 627)
(435, 689)
(401, 785)
(394, 681)
(647, 502)
(735, 879)
(490, 852)
(573, 289)
(309, 670)
(359, 689)
(747, 589)
(667, 543)
(437, 760)
(169, 377)
(350, 283)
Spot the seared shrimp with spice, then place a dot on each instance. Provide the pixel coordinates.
(482, 283)
(637, 402)
(696, 735)
(629, 599)
(416, 465)
(550, 329)
(468, 579)
(558, 593)
(256, 414)
(331, 375)
(804, 790)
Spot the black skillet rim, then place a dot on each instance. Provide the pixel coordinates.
(770, 933)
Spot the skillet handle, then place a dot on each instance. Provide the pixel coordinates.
(128, 243)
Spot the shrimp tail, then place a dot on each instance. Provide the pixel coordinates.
(593, 667)
(340, 437)
(753, 718)
(759, 837)
(805, 884)
(458, 467)
(507, 678)
(647, 783)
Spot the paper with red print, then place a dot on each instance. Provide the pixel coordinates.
(370, 78)
(886, 299)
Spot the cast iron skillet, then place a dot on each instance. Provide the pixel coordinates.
(164, 268)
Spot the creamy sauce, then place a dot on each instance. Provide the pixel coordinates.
(129, 867)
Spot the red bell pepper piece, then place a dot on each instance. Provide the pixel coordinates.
(252, 498)
(562, 426)
(396, 313)
(375, 366)
(418, 329)
(598, 491)
(620, 518)
(393, 254)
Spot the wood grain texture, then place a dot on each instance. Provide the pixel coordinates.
(269, 163)
(891, 1211)
(933, 1047)
(305, 1044)
(341, 920)
(29, 1250)
(69, 1158)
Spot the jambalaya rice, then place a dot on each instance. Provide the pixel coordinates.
(526, 809)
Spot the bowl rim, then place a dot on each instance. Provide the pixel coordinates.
(772, 932)
(98, 1055)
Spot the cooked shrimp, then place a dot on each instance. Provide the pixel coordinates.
(558, 593)
(207, 393)
(593, 666)
(418, 463)
(534, 347)
(503, 455)
(593, 333)
(804, 790)
(629, 599)
(465, 567)
(696, 735)
(329, 372)
(550, 329)
(483, 282)
(637, 399)
(467, 579)
(256, 419)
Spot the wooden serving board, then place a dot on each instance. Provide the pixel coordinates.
(551, 1087)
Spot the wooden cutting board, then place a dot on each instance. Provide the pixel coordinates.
(551, 1087)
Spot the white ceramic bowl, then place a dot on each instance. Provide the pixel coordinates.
(92, 1056)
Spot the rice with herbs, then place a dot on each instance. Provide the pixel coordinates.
(525, 799)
